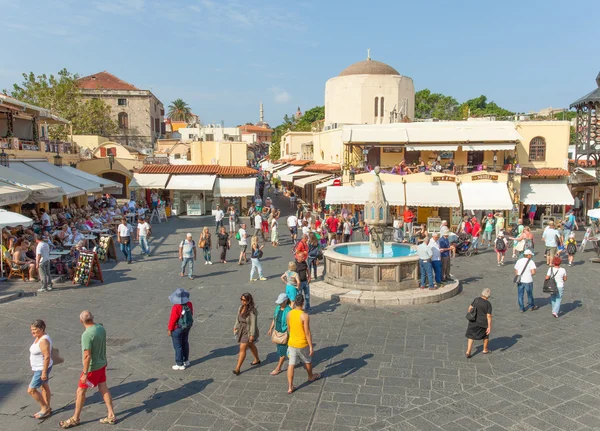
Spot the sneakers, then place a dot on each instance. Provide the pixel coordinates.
(43, 289)
(186, 364)
(263, 279)
(498, 263)
(254, 279)
(206, 263)
(178, 367)
(209, 262)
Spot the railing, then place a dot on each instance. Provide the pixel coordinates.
(156, 161)
(50, 146)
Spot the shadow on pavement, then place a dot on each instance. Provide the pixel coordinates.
(326, 307)
(567, 308)
(232, 350)
(347, 366)
(327, 353)
(503, 343)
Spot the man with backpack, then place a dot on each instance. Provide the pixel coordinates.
(180, 323)
(187, 255)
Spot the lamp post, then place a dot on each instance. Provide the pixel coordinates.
(4, 159)
(57, 158)
(111, 160)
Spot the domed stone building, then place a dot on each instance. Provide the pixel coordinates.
(368, 92)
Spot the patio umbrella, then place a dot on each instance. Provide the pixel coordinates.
(8, 218)
(595, 213)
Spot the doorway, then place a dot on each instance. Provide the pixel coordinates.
(374, 157)
(474, 159)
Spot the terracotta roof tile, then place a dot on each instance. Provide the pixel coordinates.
(324, 168)
(227, 171)
(544, 172)
(104, 80)
(301, 162)
(248, 128)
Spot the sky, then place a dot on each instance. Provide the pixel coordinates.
(223, 57)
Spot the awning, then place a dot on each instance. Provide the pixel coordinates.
(545, 192)
(432, 194)
(41, 191)
(65, 176)
(429, 147)
(501, 146)
(235, 187)
(271, 168)
(374, 133)
(485, 196)
(337, 195)
(328, 183)
(149, 181)
(69, 190)
(394, 193)
(289, 170)
(191, 182)
(102, 182)
(291, 177)
(10, 194)
(312, 179)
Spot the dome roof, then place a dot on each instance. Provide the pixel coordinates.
(369, 67)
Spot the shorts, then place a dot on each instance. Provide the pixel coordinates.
(36, 380)
(294, 231)
(487, 235)
(243, 248)
(551, 251)
(298, 355)
(502, 252)
(265, 226)
(94, 378)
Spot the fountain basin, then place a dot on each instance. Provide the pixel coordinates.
(351, 266)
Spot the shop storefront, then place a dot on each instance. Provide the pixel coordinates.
(550, 195)
(306, 187)
(233, 192)
(191, 194)
(583, 184)
(485, 192)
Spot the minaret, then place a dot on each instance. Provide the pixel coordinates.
(262, 113)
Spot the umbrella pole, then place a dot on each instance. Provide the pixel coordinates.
(2, 277)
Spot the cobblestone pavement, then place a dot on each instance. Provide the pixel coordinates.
(392, 369)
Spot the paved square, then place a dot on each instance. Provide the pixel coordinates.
(384, 369)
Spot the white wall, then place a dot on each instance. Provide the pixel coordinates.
(219, 133)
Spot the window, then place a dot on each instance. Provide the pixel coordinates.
(177, 156)
(157, 125)
(122, 102)
(412, 157)
(381, 109)
(152, 123)
(376, 107)
(123, 120)
(537, 150)
(191, 136)
(112, 151)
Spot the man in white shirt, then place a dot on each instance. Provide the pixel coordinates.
(525, 270)
(219, 216)
(292, 222)
(42, 264)
(132, 205)
(143, 230)
(45, 218)
(444, 227)
(550, 237)
(257, 224)
(75, 237)
(436, 257)
(243, 242)
(425, 254)
(154, 199)
(124, 238)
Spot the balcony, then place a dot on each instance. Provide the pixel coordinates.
(156, 160)
(43, 145)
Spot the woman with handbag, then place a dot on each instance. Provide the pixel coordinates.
(479, 316)
(40, 358)
(205, 243)
(559, 275)
(245, 331)
(279, 330)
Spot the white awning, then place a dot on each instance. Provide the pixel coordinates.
(485, 196)
(337, 195)
(545, 192)
(102, 182)
(291, 177)
(65, 176)
(149, 181)
(289, 170)
(191, 182)
(312, 179)
(432, 194)
(374, 133)
(41, 191)
(235, 187)
(500, 146)
(430, 147)
(394, 193)
(272, 167)
(328, 183)
(10, 194)
(40, 177)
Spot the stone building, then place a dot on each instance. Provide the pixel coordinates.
(139, 113)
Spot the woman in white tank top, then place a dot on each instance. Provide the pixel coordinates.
(40, 357)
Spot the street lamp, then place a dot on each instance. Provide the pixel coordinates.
(57, 158)
(4, 159)
(111, 160)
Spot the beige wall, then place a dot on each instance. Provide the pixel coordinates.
(328, 146)
(556, 134)
(89, 141)
(291, 143)
(122, 153)
(219, 153)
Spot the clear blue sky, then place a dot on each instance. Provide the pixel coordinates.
(224, 56)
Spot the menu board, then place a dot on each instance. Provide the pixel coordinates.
(88, 268)
(456, 217)
(106, 249)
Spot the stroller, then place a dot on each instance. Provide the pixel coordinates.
(463, 245)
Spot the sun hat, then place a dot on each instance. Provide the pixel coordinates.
(446, 233)
(528, 252)
(180, 296)
(281, 299)
(500, 234)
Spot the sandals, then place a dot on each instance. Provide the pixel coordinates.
(315, 377)
(485, 352)
(275, 372)
(43, 415)
(69, 423)
(236, 372)
(255, 363)
(468, 355)
(290, 391)
(108, 421)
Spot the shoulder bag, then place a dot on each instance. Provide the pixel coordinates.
(517, 278)
(279, 337)
(472, 315)
(550, 285)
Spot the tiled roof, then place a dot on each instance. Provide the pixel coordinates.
(544, 172)
(286, 160)
(104, 80)
(325, 168)
(248, 128)
(227, 171)
(301, 162)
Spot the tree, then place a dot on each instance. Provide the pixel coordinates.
(479, 107)
(435, 105)
(275, 150)
(61, 96)
(179, 111)
(304, 124)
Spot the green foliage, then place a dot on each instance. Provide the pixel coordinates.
(480, 107)
(179, 111)
(275, 150)
(304, 124)
(442, 107)
(61, 96)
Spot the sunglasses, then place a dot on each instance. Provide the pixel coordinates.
(244, 299)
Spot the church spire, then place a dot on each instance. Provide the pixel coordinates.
(262, 113)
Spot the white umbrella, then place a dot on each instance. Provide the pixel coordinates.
(595, 213)
(8, 218)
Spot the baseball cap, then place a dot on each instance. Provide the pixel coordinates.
(281, 298)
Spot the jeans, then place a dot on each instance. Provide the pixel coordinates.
(181, 345)
(144, 244)
(408, 227)
(566, 233)
(312, 263)
(219, 224)
(126, 250)
(555, 300)
(522, 288)
(184, 263)
(206, 252)
(475, 243)
(426, 271)
(437, 269)
(256, 265)
(45, 274)
(305, 290)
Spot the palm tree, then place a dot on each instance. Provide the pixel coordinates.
(179, 111)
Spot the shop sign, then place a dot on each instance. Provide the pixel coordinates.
(449, 178)
(484, 177)
(337, 182)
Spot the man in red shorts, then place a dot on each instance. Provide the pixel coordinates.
(93, 344)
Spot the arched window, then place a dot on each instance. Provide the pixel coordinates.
(123, 120)
(372, 213)
(381, 109)
(380, 213)
(537, 150)
(376, 107)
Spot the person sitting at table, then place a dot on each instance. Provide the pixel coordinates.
(21, 261)
(75, 237)
(421, 165)
(89, 222)
(10, 247)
